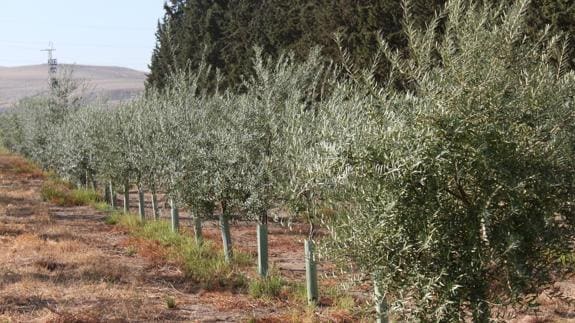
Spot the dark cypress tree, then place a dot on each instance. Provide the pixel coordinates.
(223, 33)
(165, 54)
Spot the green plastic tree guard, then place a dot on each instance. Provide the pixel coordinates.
(198, 230)
(262, 236)
(175, 215)
(141, 203)
(126, 198)
(310, 272)
(112, 196)
(380, 303)
(226, 237)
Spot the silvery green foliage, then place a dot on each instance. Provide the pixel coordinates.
(279, 96)
(141, 136)
(112, 164)
(78, 144)
(181, 117)
(219, 153)
(27, 128)
(31, 124)
(147, 132)
(118, 162)
(11, 131)
(464, 184)
(317, 140)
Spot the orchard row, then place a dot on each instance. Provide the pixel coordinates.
(455, 176)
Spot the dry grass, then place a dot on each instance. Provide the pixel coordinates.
(66, 279)
(62, 193)
(39, 273)
(204, 264)
(19, 166)
(62, 268)
(22, 167)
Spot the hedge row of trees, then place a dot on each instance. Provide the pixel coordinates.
(452, 191)
(224, 33)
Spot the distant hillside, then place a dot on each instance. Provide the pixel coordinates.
(112, 83)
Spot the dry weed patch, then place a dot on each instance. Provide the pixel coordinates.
(50, 264)
(23, 167)
(204, 264)
(6, 231)
(59, 236)
(101, 269)
(62, 193)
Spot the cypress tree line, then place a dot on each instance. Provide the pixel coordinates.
(223, 33)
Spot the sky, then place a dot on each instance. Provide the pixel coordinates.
(84, 32)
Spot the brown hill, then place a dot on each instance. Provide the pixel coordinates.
(108, 82)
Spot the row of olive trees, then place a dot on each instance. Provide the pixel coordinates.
(275, 144)
(451, 186)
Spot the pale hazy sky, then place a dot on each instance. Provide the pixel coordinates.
(87, 32)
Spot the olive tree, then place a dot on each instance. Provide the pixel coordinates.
(181, 119)
(39, 118)
(210, 171)
(77, 145)
(463, 186)
(218, 154)
(27, 128)
(115, 162)
(278, 98)
(141, 133)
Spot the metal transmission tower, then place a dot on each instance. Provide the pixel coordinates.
(52, 62)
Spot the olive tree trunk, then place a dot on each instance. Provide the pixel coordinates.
(380, 303)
